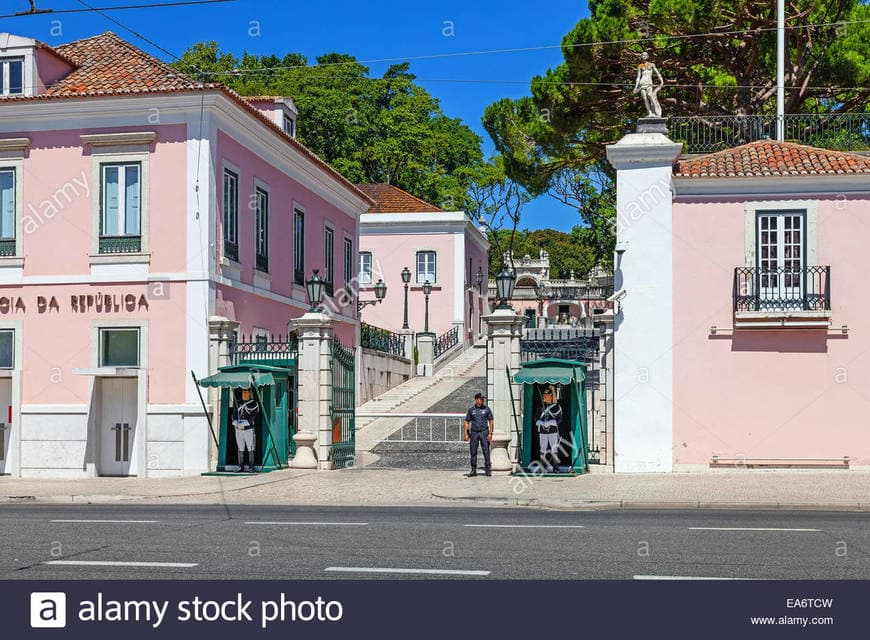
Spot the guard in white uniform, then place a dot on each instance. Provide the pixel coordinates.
(548, 430)
(244, 420)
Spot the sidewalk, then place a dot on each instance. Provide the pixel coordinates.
(819, 490)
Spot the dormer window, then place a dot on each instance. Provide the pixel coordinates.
(11, 76)
(289, 126)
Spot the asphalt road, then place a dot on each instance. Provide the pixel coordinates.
(238, 542)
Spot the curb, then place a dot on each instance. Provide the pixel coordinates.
(603, 505)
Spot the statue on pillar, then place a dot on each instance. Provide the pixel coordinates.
(645, 84)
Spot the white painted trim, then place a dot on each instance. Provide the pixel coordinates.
(823, 185)
(13, 455)
(14, 144)
(13, 271)
(459, 282)
(71, 409)
(179, 108)
(752, 207)
(118, 139)
(109, 155)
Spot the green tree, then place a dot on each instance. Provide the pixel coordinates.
(371, 129)
(553, 139)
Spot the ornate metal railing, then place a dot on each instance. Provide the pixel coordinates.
(247, 348)
(446, 341)
(836, 131)
(571, 292)
(382, 340)
(569, 343)
(782, 289)
(120, 244)
(7, 247)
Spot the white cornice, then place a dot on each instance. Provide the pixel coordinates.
(14, 144)
(180, 108)
(639, 150)
(823, 185)
(113, 139)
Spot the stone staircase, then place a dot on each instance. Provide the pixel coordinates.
(457, 367)
(452, 383)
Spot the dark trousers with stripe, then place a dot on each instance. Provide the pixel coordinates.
(478, 438)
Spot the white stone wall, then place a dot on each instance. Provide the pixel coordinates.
(380, 372)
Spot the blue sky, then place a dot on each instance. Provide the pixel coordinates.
(367, 30)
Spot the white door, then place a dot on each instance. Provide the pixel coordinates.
(780, 260)
(5, 423)
(118, 404)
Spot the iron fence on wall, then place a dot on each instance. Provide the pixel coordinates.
(383, 340)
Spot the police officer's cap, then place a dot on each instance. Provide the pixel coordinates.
(478, 395)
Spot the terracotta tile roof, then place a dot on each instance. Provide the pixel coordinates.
(390, 199)
(106, 65)
(771, 158)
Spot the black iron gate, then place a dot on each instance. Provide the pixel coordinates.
(582, 344)
(343, 409)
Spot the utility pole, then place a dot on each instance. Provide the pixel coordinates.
(780, 70)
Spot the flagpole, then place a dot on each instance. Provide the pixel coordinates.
(780, 70)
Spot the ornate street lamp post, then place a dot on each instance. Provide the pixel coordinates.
(427, 289)
(480, 277)
(406, 278)
(380, 294)
(504, 286)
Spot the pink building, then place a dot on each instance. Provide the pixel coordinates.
(444, 247)
(743, 323)
(138, 205)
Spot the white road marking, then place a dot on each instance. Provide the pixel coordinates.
(748, 529)
(446, 572)
(110, 521)
(528, 526)
(316, 524)
(642, 577)
(113, 563)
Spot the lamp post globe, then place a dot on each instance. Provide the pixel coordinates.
(314, 286)
(380, 289)
(504, 285)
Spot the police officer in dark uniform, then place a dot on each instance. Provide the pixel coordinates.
(478, 430)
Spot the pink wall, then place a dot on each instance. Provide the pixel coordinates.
(476, 301)
(390, 254)
(253, 310)
(58, 340)
(782, 394)
(58, 226)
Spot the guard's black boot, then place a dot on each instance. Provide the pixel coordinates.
(241, 462)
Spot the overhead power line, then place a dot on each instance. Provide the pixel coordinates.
(457, 54)
(34, 10)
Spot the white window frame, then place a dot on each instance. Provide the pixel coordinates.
(5, 330)
(347, 259)
(6, 74)
(230, 227)
(298, 244)
(423, 275)
(366, 276)
(124, 152)
(291, 129)
(261, 189)
(122, 168)
(101, 355)
(328, 254)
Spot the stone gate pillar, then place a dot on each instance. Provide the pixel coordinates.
(314, 391)
(643, 269)
(221, 332)
(503, 331)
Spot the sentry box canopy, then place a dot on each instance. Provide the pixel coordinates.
(568, 379)
(273, 389)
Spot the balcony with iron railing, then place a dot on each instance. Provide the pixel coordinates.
(834, 131)
(786, 297)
